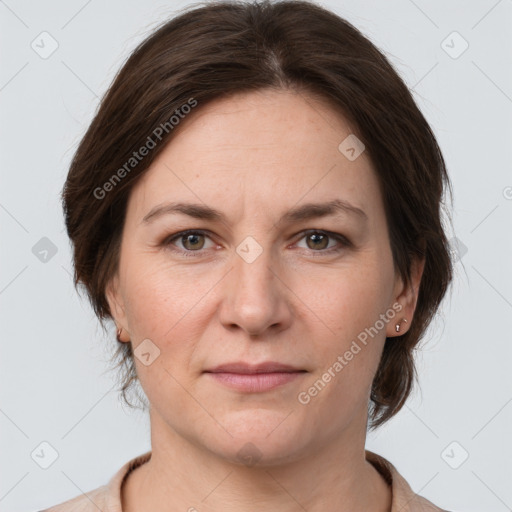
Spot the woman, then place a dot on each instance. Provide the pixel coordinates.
(257, 207)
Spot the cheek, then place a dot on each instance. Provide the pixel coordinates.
(170, 307)
(160, 296)
(344, 308)
(344, 300)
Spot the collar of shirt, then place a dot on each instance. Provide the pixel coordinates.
(107, 498)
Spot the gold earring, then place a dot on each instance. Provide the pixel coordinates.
(119, 331)
(397, 326)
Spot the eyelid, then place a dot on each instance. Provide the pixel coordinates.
(341, 239)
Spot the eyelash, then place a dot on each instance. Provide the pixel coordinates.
(167, 242)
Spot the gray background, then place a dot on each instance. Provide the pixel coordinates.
(54, 387)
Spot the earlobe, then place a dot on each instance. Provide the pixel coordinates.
(399, 324)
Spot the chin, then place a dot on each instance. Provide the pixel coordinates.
(264, 438)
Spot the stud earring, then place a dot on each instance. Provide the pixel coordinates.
(397, 326)
(118, 336)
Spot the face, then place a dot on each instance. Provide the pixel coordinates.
(260, 276)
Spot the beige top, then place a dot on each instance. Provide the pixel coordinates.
(107, 498)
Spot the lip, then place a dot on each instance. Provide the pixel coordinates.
(255, 382)
(257, 378)
(243, 368)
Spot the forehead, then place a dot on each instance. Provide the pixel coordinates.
(266, 148)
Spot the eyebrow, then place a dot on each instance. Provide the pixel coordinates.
(300, 213)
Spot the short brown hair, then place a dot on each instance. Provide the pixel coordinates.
(226, 47)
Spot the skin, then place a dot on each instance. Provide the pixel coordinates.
(255, 156)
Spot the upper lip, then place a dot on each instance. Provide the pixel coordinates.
(246, 368)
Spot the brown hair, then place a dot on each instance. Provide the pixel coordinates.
(221, 48)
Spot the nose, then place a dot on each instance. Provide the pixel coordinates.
(255, 297)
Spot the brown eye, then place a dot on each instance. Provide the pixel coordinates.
(188, 242)
(317, 240)
(193, 241)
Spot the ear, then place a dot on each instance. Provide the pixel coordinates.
(117, 307)
(407, 297)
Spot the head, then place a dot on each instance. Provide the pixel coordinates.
(246, 114)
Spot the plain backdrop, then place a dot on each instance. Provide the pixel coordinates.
(452, 439)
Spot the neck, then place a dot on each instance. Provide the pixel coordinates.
(183, 476)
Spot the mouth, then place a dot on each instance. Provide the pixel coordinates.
(258, 378)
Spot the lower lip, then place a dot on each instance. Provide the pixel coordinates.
(257, 382)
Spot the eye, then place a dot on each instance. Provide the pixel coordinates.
(192, 241)
(318, 241)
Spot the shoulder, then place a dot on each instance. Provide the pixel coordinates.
(90, 501)
(404, 499)
(106, 498)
